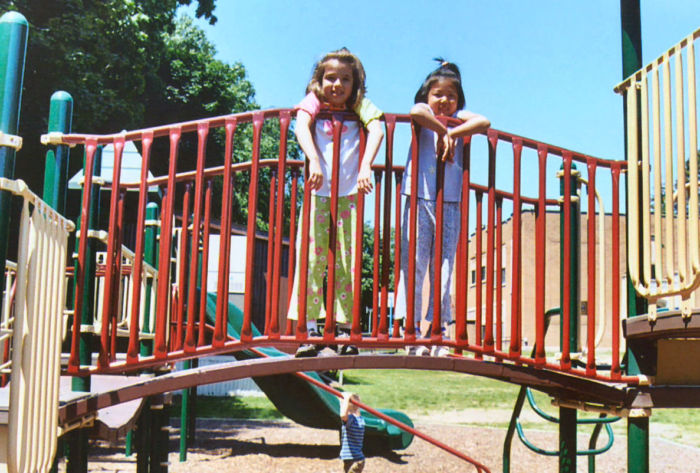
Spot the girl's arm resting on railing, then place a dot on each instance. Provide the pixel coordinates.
(375, 136)
(308, 146)
(424, 116)
(473, 123)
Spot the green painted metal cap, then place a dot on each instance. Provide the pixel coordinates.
(62, 96)
(14, 17)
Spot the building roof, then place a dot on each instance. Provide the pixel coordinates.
(130, 171)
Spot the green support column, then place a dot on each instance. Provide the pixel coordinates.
(160, 440)
(637, 427)
(150, 256)
(144, 438)
(567, 416)
(184, 416)
(77, 457)
(13, 48)
(56, 167)
(88, 305)
(151, 431)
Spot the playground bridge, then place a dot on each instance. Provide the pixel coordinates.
(166, 308)
(145, 303)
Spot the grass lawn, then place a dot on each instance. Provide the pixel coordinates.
(435, 396)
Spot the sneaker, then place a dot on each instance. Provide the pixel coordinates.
(308, 350)
(349, 350)
(422, 351)
(439, 351)
(326, 351)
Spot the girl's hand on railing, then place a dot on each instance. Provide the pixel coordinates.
(364, 178)
(446, 147)
(315, 175)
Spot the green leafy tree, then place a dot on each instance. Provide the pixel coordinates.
(131, 64)
(106, 54)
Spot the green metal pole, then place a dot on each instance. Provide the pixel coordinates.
(144, 438)
(159, 456)
(56, 168)
(55, 185)
(637, 427)
(88, 306)
(150, 257)
(567, 416)
(14, 30)
(151, 434)
(184, 416)
(77, 458)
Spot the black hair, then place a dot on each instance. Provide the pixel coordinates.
(446, 70)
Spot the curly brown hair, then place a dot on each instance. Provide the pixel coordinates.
(358, 76)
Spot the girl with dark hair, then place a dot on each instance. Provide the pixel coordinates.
(337, 84)
(441, 94)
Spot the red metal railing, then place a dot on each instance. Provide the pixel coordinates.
(512, 173)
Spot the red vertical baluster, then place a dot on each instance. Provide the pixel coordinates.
(246, 331)
(461, 336)
(166, 239)
(410, 327)
(615, 367)
(566, 267)
(132, 354)
(436, 332)
(304, 262)
(390, 121)
(224, 239)
(119, 281)
(285, 118)
(182, 279)
(112, 243)
(292, 258)
(271, 262)
(202, 134)
(375, 251)
(540, 257)
(74, 360)
(478, 260)
(356, 330)
(516, 267)
(398, 175)
(329, 330)
(498, 277)
(490, 235)
(205, 265)
(590, 364)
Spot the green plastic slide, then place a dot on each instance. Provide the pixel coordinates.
(307, 404)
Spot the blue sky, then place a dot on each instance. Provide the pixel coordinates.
(542, 69)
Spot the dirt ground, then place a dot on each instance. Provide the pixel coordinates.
(282, 446)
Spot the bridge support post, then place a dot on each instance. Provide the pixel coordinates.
(77, 456)
(570, 304)
(142, 437)
(637, 427)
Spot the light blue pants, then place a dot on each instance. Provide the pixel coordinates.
(425, 257)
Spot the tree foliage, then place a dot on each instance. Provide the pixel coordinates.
(131, 64)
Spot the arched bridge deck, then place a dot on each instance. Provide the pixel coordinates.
(564, 387)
